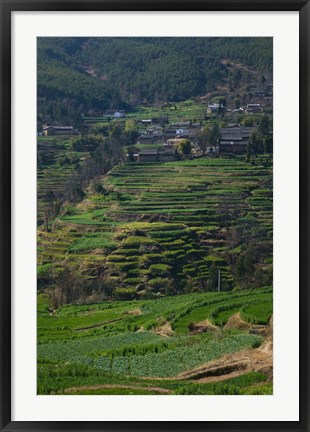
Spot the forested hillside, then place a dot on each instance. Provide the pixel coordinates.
(101, 73)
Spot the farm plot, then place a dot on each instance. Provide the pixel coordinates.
(88, 349)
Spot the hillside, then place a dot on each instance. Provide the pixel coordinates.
(155, 216)
(163, 228)
(78, 74)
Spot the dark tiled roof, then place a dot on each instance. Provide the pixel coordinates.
(231, 138)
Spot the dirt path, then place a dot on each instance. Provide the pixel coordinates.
(116, 386)
(232, 365)
(98, 325)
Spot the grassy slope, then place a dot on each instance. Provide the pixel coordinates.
(167, 221)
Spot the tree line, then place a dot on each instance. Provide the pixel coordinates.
(102, 73)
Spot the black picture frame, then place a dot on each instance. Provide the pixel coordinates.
(7, 7)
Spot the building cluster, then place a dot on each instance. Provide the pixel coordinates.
(158, 144)
(157, 133)
(159, 139)
(260, 99)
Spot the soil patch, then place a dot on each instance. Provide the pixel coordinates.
(135, 312)
(235, 321)
(202, 327)
(164, 330)
(232, 365)
(98, 325)
(116, 386)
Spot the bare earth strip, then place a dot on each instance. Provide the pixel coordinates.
(233, 365)
(116, 386)
(98, 325)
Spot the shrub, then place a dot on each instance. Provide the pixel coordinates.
(137, 241)
(160, 284)
(160, 269)
(132, 281)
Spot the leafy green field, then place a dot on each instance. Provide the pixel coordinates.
(125, 348)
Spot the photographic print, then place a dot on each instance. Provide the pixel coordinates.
(154, 216)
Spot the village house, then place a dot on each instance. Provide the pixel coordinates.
(172, 142)
(263, 92)
(145, 139)
(260, 93)
(235, 139)
(214, 107)
(150, 155)
(156, 132)
(170, 133)
(232, 147)
(166, 155)
(133, 154)
(247, 131)
(182, 131)
(254, 108)
(57, 130)
(185, 124)
(145, 121)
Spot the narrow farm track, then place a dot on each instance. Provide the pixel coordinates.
(73, 390)
(98, 325)
(231, 366)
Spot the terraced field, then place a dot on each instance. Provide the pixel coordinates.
(188, 109)
(169, 228)
(166, 237)
(55, 170)
(174, 345)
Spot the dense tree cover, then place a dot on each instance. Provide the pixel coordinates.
(103, 73)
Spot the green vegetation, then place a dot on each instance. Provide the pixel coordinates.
(154, 277)
(119, 345)
(88, 73)
(164, 229)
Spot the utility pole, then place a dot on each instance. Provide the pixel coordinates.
(219, 281)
